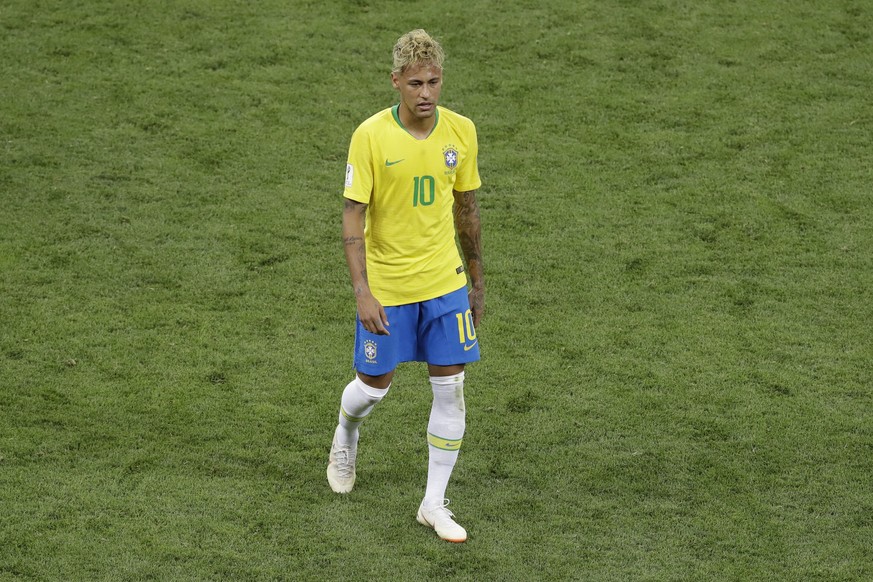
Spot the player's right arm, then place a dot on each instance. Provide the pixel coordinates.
(370, 311)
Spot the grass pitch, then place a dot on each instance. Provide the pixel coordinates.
(676, 369)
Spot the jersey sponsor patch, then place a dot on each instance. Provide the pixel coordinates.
(350, 175)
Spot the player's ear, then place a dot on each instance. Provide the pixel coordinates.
(395, 80)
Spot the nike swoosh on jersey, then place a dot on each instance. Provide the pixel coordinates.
(471, 346)
(387, 163)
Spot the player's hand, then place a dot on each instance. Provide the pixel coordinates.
(372, 315)
(477, 304)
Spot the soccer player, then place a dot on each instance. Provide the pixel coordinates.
(410, 185)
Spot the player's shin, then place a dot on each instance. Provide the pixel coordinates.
(445, 431)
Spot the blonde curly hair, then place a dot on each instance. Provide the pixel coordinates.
(417, 47)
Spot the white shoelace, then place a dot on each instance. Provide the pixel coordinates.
(442, 508)
(344, 458)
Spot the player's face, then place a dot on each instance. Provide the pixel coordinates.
(419, 87)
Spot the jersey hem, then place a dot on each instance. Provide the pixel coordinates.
(418, 299)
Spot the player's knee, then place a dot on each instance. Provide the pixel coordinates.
(381, 381)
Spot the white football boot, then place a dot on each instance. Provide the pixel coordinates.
(341, 467)
(440, 519)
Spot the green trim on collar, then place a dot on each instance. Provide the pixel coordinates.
(395, 112)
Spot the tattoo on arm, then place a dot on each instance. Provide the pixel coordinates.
(354, 214)
(354, 207)
(468, 225)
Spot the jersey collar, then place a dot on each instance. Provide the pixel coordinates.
(395, 111)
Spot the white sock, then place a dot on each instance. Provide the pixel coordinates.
(357, 402)
(445, 432)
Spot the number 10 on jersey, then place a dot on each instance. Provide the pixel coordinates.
(423, 191)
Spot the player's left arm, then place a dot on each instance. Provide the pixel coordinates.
(469, 227)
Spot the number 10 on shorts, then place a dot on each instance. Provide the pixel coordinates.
(466, 331)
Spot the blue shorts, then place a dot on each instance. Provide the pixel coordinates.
(438, 331)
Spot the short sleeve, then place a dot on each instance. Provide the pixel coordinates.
(359, 168)
(467, 177)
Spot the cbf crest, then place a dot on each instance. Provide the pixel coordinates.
(450, 155)
(370, 351)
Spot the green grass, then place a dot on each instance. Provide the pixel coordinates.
(676, 369)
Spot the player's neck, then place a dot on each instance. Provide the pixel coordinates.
(418, 127)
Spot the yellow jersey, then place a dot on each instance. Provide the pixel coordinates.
(407, 185)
